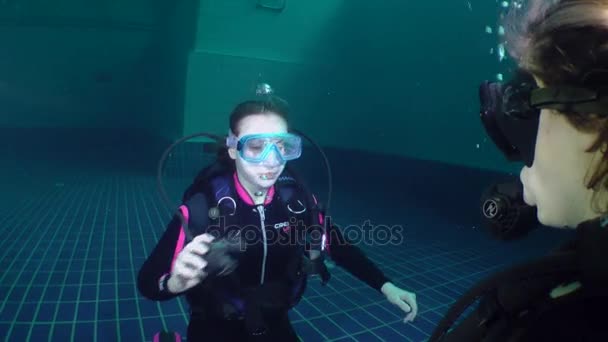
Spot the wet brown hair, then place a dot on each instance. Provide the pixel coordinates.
(272, 105)
(565, 42)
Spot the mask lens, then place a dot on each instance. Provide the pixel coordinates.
(508, 118)
(290, 148)
(516, 100)
(256, 148)
(490, 95)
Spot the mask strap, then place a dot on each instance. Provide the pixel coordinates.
(562, 95)
(571, 99)
(232, 140)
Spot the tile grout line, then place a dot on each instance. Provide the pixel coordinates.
(108, 192)
(135, 213)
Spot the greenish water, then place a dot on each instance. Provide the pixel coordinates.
(92, 94)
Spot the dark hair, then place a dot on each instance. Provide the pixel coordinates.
(563, 42)
(272, 105)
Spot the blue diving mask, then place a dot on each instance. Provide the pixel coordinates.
(257, 148)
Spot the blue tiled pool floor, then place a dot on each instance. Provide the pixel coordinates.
(71, 248)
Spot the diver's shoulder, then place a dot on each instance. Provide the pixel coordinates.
(572, 319)
(196, 198)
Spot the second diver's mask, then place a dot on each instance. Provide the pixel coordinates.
(510, 111)
(257, 148)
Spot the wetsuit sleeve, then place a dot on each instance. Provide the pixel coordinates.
(353, 259)
(151, 280)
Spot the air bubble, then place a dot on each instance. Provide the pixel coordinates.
(263, 89)
(501, 52)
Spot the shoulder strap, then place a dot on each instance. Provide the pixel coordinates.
(290, 183)
(201, 180)
(210, 182)
(286, 186)
(219, 187)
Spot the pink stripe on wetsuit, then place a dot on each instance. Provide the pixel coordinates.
(181, 239)
(182, 235)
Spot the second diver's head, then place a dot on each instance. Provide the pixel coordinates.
(259, 142)
(564, 43)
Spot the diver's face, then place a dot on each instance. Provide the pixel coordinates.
(259, 175)
(556, 182)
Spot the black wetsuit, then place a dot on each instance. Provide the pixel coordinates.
(255, 267)
(524, 311)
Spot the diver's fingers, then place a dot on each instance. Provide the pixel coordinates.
(199, 245)
(414, 308)
(193, 261)
(183, 271)
(404, 306)
(409, 318)
(206, 238)
(414, 305)
(199, 248)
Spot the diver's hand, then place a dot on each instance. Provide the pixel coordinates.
(405, 300)
(188, 270)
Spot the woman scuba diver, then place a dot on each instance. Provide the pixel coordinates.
(240, 280)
